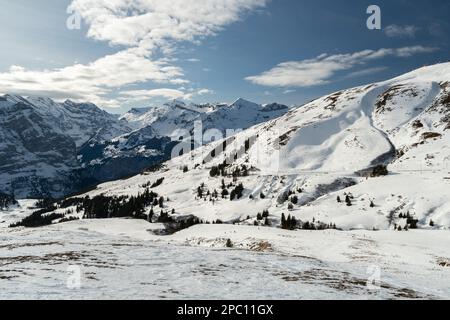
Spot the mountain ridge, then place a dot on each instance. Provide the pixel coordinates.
(61, 148)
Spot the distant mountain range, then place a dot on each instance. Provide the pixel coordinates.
(50, 149)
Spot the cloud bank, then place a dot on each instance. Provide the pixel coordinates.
(321, 70)
(145, 30)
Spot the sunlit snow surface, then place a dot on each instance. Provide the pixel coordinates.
(121, 259)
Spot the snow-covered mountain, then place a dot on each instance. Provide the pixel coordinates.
(40, 140)
(53, 149)
(80, 121)
(176, 116)
(373, 157)
(124, 155)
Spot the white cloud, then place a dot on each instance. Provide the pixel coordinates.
(154, 23)
(169, 94)
(204, 91)
(365, 72)
(320, 70)
(140, 95)
(401, 31)
(93, 81)
(147, 28)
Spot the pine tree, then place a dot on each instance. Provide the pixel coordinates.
(224, 193)
(200, 192)
(283, 221)
(348, 201)
(288, 222)
(150, 215)
(161, 202)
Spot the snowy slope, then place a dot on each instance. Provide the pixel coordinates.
(121, 259)
(325, 149)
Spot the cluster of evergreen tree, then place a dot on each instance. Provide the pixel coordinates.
(101, 206)
(68, 219)
(206, 194)
(294, 199)
(222, 170)
(219, 170)
(317, 226)
(241, 171)
(291, 223)
(214, 172)
(157, 183)
(288, 224)
(236, 193)
(263, 215)
(411, 222)
(164, 217)
(39, 218)
(6, 201)
(44, 203)
(348, 200)
(152, 185)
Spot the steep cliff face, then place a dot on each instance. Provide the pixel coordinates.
(35, 157)
(39, 143)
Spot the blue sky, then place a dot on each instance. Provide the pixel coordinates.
(289, 51)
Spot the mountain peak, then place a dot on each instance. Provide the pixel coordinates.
(175, 103)
(14, 98)
(243, 103)
(138, 110)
